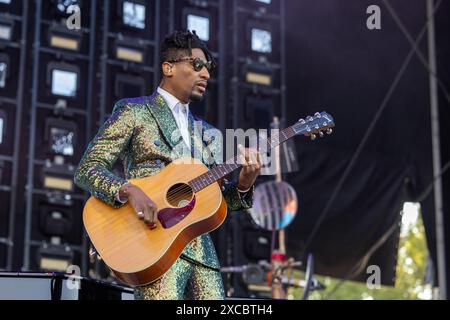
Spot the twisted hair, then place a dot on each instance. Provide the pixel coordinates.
(180, 44)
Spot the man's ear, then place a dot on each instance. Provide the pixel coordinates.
(167, 69)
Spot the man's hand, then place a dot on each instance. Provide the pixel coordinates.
(251, 167)
(144, 207)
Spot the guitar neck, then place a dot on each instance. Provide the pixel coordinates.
(221, 170)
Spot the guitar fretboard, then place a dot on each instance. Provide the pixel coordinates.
(221, 170)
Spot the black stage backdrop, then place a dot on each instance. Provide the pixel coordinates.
(335, 63)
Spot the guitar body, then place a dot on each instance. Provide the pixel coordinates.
(139, 255)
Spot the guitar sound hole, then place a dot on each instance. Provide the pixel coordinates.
(179, 195)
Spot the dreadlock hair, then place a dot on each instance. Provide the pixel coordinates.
(180, 44)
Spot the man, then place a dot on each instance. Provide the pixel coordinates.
(141, 132)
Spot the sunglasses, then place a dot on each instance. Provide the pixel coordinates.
(197, 63)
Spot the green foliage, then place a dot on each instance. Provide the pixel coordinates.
(409, 284)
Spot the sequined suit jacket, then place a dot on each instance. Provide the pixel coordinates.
(140, 132)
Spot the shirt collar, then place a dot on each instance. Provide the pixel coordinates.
(171, 100)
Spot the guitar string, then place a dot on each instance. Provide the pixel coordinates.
(179, 191)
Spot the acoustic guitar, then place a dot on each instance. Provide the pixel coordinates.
(190, 204)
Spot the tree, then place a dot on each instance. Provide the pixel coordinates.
(410, 281)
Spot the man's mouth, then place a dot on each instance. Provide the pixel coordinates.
(202, 86)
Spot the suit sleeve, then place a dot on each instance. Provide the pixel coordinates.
(235, 200)
(94, 172)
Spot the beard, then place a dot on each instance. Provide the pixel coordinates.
(196, 97)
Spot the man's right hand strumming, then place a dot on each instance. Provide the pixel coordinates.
(144, 207)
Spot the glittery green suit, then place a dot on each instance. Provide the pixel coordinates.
(140, 132)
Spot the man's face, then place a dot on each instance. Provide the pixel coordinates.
(188, 83)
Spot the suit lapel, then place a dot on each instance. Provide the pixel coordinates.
(164, 118)
(167, 124)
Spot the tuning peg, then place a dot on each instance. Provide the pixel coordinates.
(302, 121)
(321, 134)
(329, 131)
(317, 115)
(309, 118)
(313, 137)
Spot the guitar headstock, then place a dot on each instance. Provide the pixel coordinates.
(313, 126)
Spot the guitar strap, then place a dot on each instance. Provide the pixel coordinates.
(198, 264)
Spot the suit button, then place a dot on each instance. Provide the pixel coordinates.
(157, 143)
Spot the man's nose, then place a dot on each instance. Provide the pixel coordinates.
(204, 73)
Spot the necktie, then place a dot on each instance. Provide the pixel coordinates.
(184, 128)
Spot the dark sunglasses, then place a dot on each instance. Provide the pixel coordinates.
(197, 63)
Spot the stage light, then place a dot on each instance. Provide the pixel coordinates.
(259, 112)
(200, 24)
(3, 69)
(61, 136)
(258, 74)
(1, 129)
(4, 63)
(55, 224)
(64, 43)
(264, 1)
(5, 1)
(55, 221)
(258, 78)
(64, 39)
(2, 126)
(52, 182)
(62, 141)
(2, 166)
(61, 6)
(261, 40)
(129, 54)
(59, 198)
(133, 14)
(129, 86)
(58, 177)
(64, 83)
(6, 30)
(63, 79)
(54, 257)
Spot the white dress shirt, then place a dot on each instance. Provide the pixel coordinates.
(180, 112)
